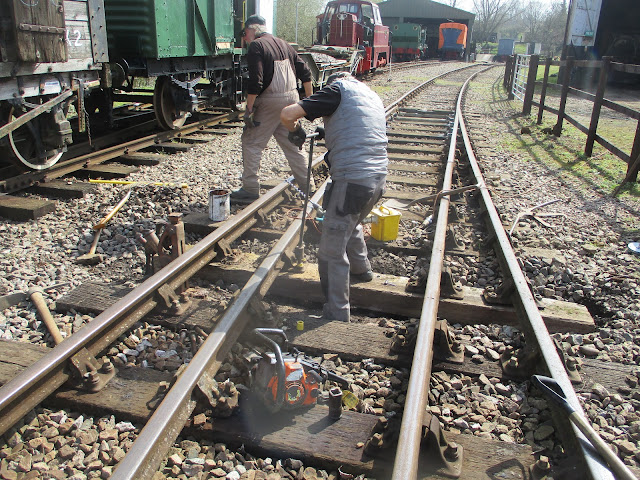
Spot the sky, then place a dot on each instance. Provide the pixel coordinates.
(468, 4)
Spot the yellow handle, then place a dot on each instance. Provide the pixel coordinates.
(385, 210)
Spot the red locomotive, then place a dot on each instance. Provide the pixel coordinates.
(355, 29)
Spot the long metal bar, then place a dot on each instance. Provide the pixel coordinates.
(526, 303)
(22, 119)
(149, 449)
(44, 376)
(408, 449)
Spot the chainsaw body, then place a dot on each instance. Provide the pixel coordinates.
(286, 381)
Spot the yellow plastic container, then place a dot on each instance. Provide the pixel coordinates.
(386, 221)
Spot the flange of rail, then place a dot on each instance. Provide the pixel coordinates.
(71, 165)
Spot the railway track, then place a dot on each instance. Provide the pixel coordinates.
(417, 141)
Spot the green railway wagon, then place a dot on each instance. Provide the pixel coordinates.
(170, 28)
(190, 47)
(408, 41)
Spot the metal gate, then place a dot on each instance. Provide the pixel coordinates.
(520, 74)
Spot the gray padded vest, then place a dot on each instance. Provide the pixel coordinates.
(356, 133)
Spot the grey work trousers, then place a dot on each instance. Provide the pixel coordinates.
(255, 139)
(342, 246)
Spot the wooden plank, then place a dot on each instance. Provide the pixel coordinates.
(385, 294)
(429, 169)
(415, 157)
(417, 181)
(63, 189)
(417, 149)
(78, 39)
(24, 208)
(95, 298)
(107, 170)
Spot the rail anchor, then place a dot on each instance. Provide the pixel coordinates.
(540, 469)
(439, 454)
(521, 364)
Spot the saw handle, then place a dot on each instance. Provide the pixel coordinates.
(261, 334)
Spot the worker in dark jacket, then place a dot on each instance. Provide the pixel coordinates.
(356, 137)
(274, 67)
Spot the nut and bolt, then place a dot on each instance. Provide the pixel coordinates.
(92, 377)
(107, 366)
(451, 453)
(542, 464)
(456, 347)
(513, 362)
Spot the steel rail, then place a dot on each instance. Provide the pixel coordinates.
(531, 319)
(408, 449)
(22, 393)
(150, 447)
(71, 165)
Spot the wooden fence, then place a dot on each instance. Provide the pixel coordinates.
(515, 72)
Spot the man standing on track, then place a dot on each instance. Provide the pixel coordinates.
(356, 137)
(274, 67)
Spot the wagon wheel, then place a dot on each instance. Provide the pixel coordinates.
(27, 145)
(164, 106)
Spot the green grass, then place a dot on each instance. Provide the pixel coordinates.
(564, 156)
(553, 73)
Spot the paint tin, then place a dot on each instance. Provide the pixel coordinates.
(219, 204)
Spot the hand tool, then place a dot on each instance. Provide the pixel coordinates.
(15, 298)
(300, 248)
(552, 390)
(130, 182)
(91, 257)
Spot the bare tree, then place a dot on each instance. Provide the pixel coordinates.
(533, 18)
(491, 15)
(553, 27)
(286, 19)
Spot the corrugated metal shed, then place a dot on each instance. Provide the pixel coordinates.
(426, 9)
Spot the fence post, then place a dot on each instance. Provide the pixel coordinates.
(531, 84)
(543, 92)
(507, 69)
(512, 79)
(597, 105)
(634, 163)
(557, 129)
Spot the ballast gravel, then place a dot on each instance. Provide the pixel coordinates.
(582, 257)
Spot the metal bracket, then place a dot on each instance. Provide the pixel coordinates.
(382, 436)
(91, 375)
(571, 364)
(502, 295)
(262, 216)
(445, 346)
(449, 287)
(225, 247)
(520, 365)
(451, 240)
(441, 455)
(176, 304)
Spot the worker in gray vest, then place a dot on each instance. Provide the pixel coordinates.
(274, 67)
(356, 139)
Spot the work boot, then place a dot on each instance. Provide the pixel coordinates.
(361, 277)
(242, 194)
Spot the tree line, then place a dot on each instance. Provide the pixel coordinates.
(529, 21)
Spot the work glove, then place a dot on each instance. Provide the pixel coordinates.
(320, 132)
(298, 136)
(248, 118)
